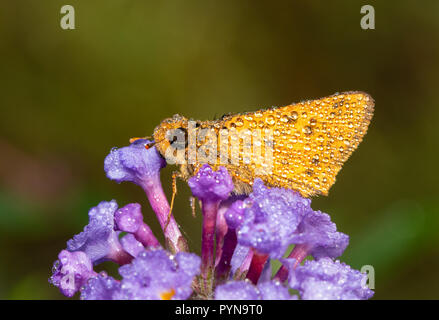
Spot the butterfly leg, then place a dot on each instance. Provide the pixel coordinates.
(243, 185)
(192, 203)
(175, 175)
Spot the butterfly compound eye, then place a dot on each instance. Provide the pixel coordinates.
(178, 138)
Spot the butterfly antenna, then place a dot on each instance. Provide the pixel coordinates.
(138, 138)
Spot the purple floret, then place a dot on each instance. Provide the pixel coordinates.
(235, 214)
(71, 271)
(188, 263)
(154, 275)
(320, 236)
(128, 218)
(245, 290)
(134, 163)
(325, 279)
(99, 240)
(101, 287)
(271, 219)
(274, 290)
(209, 185)
(131, 245)
(237, 290)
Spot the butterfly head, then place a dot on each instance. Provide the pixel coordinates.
(171, 132)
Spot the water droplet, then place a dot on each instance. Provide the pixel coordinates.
(270, 120)
(315, 160)
(294, 115)
(307, 130)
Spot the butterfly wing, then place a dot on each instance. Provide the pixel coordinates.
(311, 140)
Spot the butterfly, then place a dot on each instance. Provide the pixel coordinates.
(309, 142)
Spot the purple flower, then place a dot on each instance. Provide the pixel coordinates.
(325, 279)
(154, 275)
(211, 185)
(245, 290)
(101, 287)
(71, 271)
(271, 218)
(130, 219)
(134, 163)
(319, 234)
(274, 290)
(131, 245)
(142, 166)
(99, 240)
(235, 214)
(237, 290)
(240, 236)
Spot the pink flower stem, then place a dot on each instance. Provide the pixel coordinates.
(117, 253)
(225, 242)
(145, 236)
(299, 253)
(159, 203)
(210, 209)
(245, 264)
(223, 267)
(256, 266)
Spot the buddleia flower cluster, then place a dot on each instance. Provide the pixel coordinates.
(241, 235)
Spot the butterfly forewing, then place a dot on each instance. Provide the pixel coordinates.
(310, 141)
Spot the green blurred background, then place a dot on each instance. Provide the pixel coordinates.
(68, 96)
